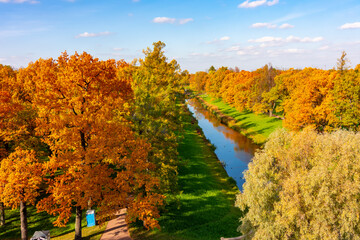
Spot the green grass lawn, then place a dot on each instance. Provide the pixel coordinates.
(204, 209)
(43, 221)
(256, 127)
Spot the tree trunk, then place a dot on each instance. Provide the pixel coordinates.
(23, 220)
(78, 223)
(2, 214)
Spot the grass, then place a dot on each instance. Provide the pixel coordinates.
(43, 221)
(258, 127)
(204, 209)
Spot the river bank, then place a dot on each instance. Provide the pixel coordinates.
(204, 209)
(256, 127)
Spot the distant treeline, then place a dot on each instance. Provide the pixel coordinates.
(324, 99)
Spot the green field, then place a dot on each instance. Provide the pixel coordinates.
(43, 221)
(257, 127)
(204, 209)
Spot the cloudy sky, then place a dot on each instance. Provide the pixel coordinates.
(198, 33)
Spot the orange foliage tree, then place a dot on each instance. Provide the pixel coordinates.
(309, 99)
(82, 110)
(20, 178)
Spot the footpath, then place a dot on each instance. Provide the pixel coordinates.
(117, 228)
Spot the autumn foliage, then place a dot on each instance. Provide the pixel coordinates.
(79, 115)
(323, 99)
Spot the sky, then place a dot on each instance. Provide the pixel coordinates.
(197, 33)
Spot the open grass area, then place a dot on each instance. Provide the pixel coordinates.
(43, 221)
(204, 209)
(257, 127)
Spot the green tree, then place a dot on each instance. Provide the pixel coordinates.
(303, 186)
(156, 84)
(212, 69)
(346, 99)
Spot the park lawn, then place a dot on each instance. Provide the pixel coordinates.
(204, 209)
(43, 221)
(258, 127)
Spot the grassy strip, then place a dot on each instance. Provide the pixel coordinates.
(257, 127)
(43, 221)
(204, 209)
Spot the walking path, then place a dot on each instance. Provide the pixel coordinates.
(117, 228)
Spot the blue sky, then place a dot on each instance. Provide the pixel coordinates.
(198, 33)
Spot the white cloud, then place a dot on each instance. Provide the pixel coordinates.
(289, 39)
(172, 20)
(263, 25)
(185, 20)
(350, 25)
(233, 48)
(241, 52)
(324, 47)
(20, 1)
(271, 3)
(225, 38)
(257, 3)
(86, 34)
(293, 50)
(164, 20)
(266, 39)
(118, 49)
(285, 26)
(271, 25)
(2, 59)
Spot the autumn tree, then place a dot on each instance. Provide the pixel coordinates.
(156, 84)
(198, 81)
(17, 121)
(215, 80)
(82, 115)
(6, 73)
(309, 101)
(20, 178)
(303, 186)
(346, 96)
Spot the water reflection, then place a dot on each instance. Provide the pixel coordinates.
(232, 148)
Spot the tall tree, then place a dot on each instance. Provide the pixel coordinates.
(82, 110)
(156, 84)
(20, 178)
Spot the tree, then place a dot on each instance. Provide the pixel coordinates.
(309, 100)
(342, 62)
(212, 69)
(346, 100)
(20, 178)
(198, 81)
(157, 90)
(82, 115)
(303, 186)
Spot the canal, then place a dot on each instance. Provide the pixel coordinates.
(234, 150)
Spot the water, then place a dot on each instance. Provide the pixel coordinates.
(234, 150)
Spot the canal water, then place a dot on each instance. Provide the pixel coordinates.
(234, 150)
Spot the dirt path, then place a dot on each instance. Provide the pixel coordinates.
(117, 228)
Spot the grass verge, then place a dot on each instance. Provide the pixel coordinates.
(204, 209)
(43, 221)
(257, 127)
